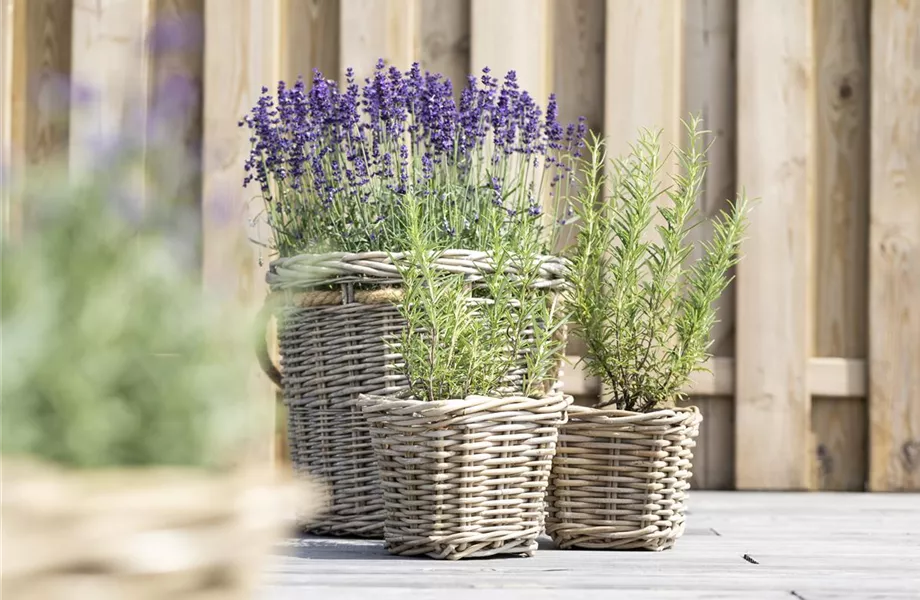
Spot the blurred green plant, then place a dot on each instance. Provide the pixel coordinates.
(111, 353)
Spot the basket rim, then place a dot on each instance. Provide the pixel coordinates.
(615, 416)
(307, 271)
(373, 405)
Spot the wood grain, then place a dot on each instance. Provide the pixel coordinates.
(714, 455)
(445, 39)
(642, 88)
(775, 92)
(41, 58)
(841, 230)
(373, 29)
(814, 546)
(894, 248)
(578, 70)
(841, 443)
(578, 82)
(709, 92)
(111, 62)
(831, 377)
(310, 38)
(176, 47)
(527, 23)
(6, 118)
(241, 55)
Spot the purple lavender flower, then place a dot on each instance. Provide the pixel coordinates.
(326, 152)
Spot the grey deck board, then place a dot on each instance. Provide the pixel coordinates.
(807, 546)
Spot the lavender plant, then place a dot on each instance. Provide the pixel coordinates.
(644, 312)
(335, 166)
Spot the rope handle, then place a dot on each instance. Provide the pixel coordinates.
(263, 319)
(311, 299)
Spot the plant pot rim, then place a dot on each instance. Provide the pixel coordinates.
(470, 405)
(615, 416)
(308, 271)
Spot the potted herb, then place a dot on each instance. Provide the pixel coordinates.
(644, 311)
(336, 169)
(464, 462)
(126, 444)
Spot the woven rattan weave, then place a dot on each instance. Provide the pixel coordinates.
(174, 533)
(464, 478)
(335, 317)
(620, 479)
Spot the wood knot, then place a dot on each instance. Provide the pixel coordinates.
(845, 90)
(910, 455)
(825, 460)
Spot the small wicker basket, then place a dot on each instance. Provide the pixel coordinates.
(152, 533)
(620, 479)
(335, 317)
(464, 478)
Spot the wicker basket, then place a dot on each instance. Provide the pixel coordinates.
(620, 479)
(139, 534)
(464, 478)
(335, 315)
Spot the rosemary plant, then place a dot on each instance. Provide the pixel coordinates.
(643, 309)
(474, 338)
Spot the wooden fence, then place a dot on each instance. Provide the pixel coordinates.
(815, 105)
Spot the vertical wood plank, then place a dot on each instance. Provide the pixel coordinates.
(841, 231)
(578, 70)
(445, 39)
(578, 82)
(241, 55)
(111, 61)
(6, 115)
(39, 117)
(894, 248)
(710, 91)
(642, 89)
(643, 71)
(841, 443)
(775, 93)
(714, 455)
(514, 35)
(310, 38)
(374, 29)
(176, 46)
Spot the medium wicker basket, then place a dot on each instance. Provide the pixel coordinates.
(152, 533)
(464, 478)
(335, 317)
(620, 479)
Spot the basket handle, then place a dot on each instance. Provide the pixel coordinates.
(262, 353)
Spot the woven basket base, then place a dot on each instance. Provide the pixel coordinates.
(654, 538)
(342, 526)
(441, 549)
(464, 478)
(144, 534)
(620, 479)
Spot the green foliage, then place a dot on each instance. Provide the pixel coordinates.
(642, 307)
(111, 354)
(465, 339)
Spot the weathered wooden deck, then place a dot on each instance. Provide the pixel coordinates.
(738, 546)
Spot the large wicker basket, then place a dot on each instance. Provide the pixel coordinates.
(620, 479)
(464, 478)
(171, 534)
(335, 316)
